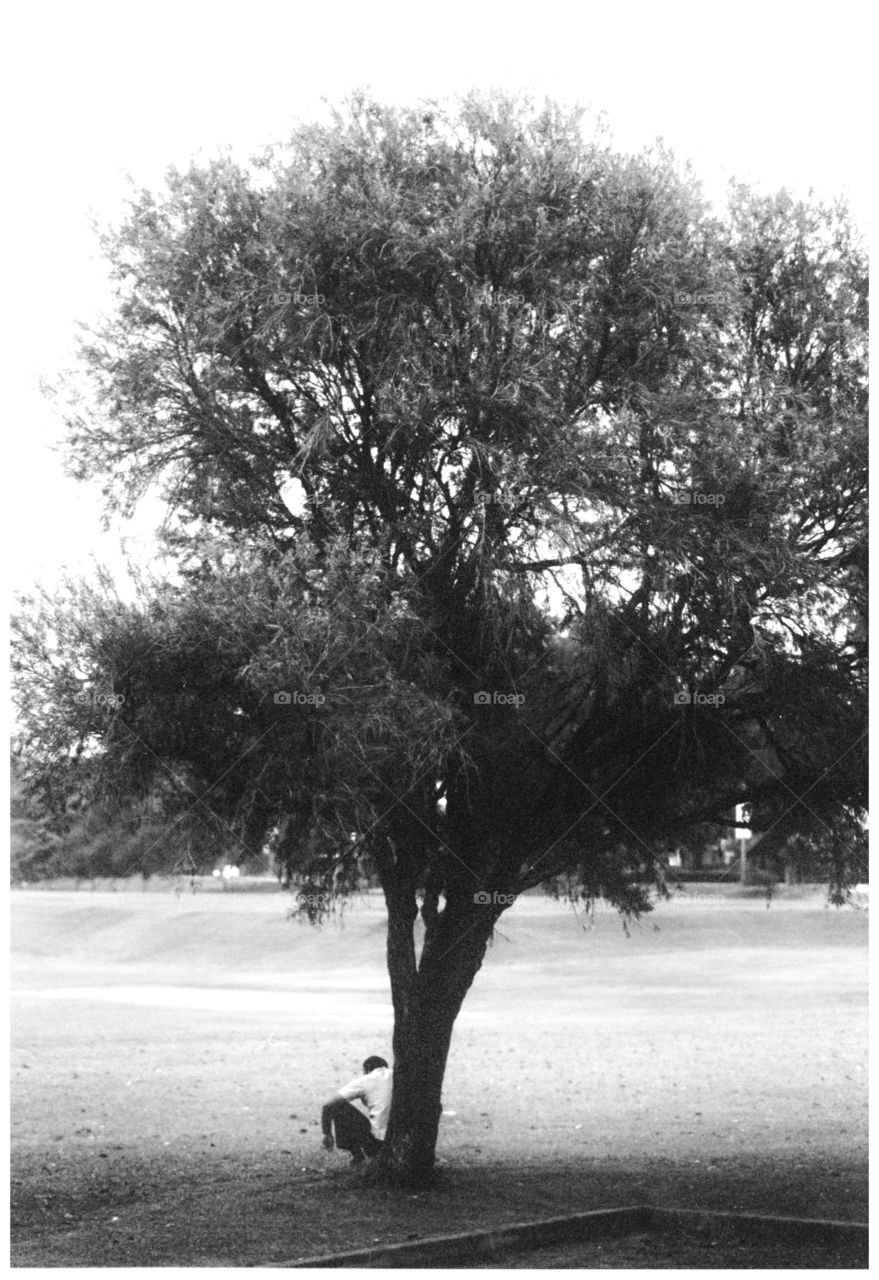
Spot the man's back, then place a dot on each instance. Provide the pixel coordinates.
(374, 1091)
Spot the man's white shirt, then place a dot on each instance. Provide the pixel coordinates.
(374, 1090)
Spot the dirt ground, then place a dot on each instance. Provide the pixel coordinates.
(705, 1250)
(170, 1055)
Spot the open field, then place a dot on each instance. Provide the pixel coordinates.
(170, 1055)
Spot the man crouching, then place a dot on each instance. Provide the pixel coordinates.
(354, 1132)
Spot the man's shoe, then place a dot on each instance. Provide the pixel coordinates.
(357, 1157)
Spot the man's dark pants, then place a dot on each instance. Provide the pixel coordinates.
(353, 1131)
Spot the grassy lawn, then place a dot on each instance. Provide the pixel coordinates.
(170, 1055)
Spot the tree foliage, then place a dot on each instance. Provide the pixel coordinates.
(582, 558)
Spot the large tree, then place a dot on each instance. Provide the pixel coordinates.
(580, 564)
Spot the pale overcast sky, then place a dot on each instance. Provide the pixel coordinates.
(775, 93)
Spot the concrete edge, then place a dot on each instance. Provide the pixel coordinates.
(592, 1225)
(756, 1224)
(437, 1250)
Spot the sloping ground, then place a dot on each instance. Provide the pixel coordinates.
(168, 1111)
(218, 937)
(208, 937)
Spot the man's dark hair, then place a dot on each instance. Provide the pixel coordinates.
(371, 1064)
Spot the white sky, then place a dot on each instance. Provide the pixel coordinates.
(775, 93)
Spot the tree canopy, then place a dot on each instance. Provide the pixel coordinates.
(581, 561)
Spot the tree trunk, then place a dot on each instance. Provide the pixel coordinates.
(421, 1048)
(423, 1024)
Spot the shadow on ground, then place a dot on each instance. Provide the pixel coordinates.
(198, 1214)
